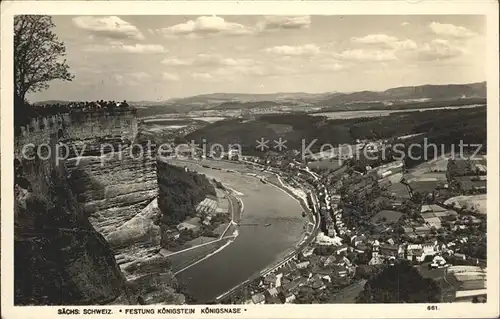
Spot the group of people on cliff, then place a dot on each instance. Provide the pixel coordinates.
(53, 109)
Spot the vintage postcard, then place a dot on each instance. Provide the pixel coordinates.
(285, 159)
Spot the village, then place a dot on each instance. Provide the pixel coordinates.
(432, 216)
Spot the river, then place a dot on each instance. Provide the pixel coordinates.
(257, 245)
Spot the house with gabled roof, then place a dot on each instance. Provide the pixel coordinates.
(259, 299)
(317, 282)
(273, 292)
(271, 280)
(293, 285)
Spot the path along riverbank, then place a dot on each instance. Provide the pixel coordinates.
(271, 228)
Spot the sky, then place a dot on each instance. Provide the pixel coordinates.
(161, 57)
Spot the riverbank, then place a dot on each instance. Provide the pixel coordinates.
(270, 226)
(374, 112)
(184, 259)
(290, 253)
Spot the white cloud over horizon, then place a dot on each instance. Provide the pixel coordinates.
(170, 77)
(211, 26)
(206, 25)
(283, 22)
(439, 49)
(131, 79)
(306, 49)
(444, 29)
(156, 56)
(385, 40)
(110, 26)
(114, 47)
(203, 76)
(366, 55)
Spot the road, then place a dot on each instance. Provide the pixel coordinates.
(235, 217)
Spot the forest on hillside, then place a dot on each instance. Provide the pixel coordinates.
(401, 283)
(445, 127)
(180, 192)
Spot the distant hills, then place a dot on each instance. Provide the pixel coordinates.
(246, 97)
(430, 92)
(230, 101)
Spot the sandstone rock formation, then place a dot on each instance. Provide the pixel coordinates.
(59, 257)
(118, 190)
(73, 216)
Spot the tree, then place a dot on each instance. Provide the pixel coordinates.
(399, 230)
(400, 283)
(433, 230)
(37, 55)
(364, 272)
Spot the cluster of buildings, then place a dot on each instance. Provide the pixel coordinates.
(206, 212)
(360, 187)
(308, 271)
(388, 174)
(331, 215)
(338, 248)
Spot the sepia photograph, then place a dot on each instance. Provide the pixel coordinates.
(166, 161)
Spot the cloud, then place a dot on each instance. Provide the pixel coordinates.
(203, 76)
(404, 45)
(209, 26)
(333, 67)
(214, 59)
(307, 49)
(281, 22)
(255, 70)
(375, 39)
(132, 79)
(206, 26)
(207, 60)
(439, 49)
(174, 61)
(116, 46)
(387, 41)
(230, 72)
(280, 70)
(143, 48)
(451, 30)
(109, 26)
(366, 55)
(172, 77)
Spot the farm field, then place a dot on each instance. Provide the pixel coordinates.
(476, 202)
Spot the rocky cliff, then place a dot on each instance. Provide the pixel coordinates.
(108, 193)
(59, 257)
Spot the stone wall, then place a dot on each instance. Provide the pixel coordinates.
(77, 127)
